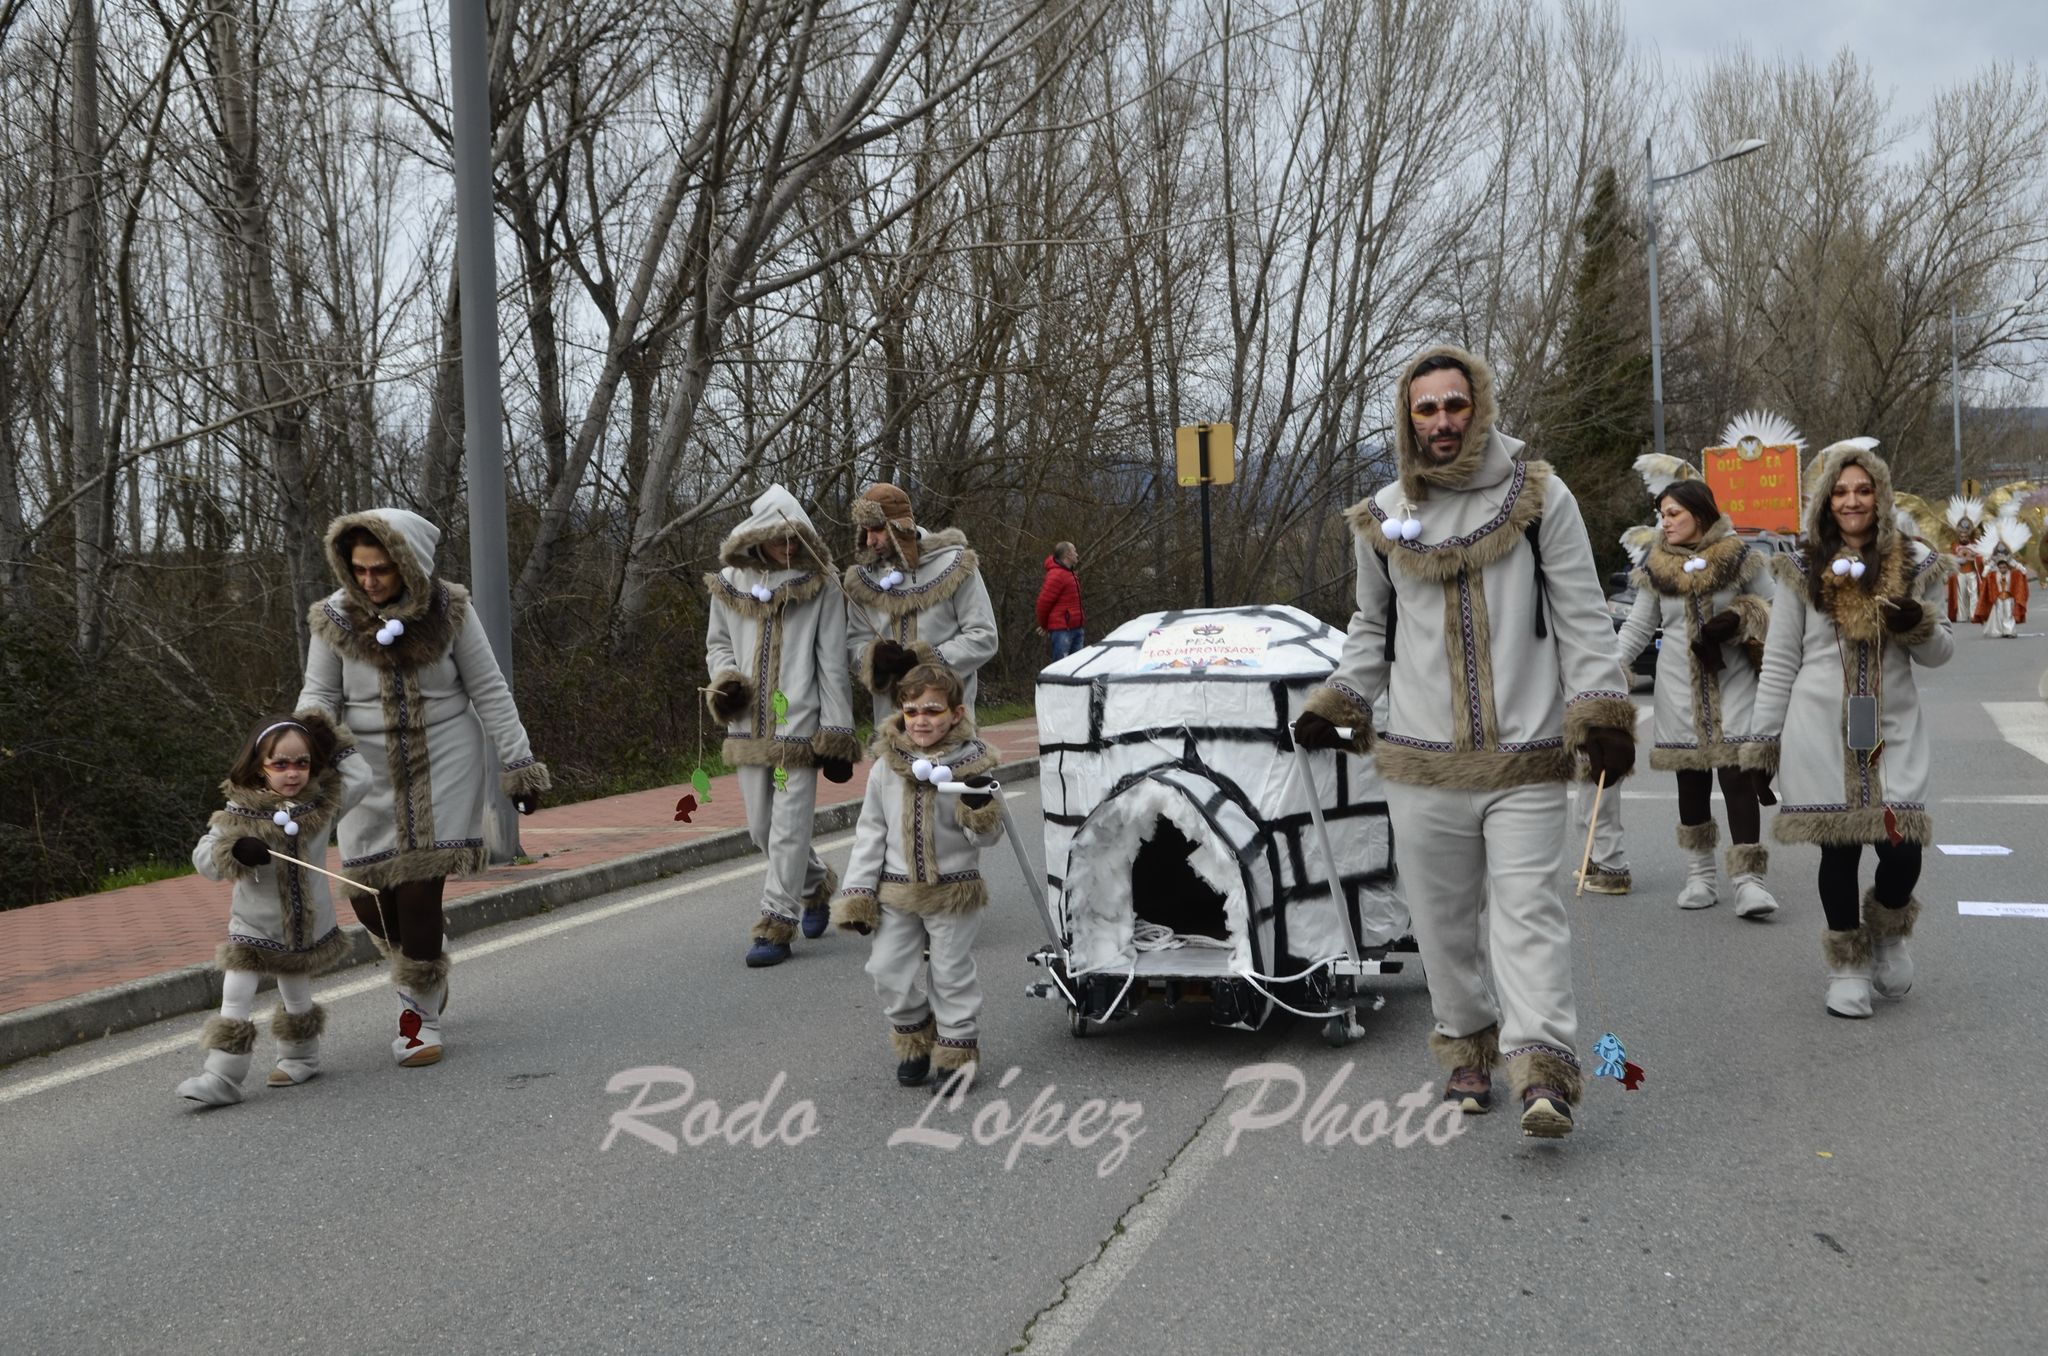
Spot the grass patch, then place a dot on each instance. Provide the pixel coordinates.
(142, 875)
(1001, 713)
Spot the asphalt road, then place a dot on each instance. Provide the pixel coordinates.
(1784, 1181)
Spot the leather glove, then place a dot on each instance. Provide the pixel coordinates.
(836, 769)
(1312, 731)
(250, 851)
(1904, 615)
(891, 662)
(1708, 652)
(729, 698)
(526, 802)
(1760, 778)
(1722, 626)
(1610, 753)
(973, 801)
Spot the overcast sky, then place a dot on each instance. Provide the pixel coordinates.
(1912, 47)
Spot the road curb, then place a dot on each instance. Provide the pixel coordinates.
(49, 1027)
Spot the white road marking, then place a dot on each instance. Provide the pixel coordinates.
(2024, 725)
(351, 987)
(1983, 909)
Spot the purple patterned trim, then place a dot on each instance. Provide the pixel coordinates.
(1540, 1049)
(1425, 745)
(348, 752)
(266, 944)
(1595, 693)
(763, 715)
(929, 584)
(910, 1030)
(1533, 746)
(917, 804)
(943, 878)
(1475, 709)
(1837, 809)
(1507, 506)
(339, 618)
(835, 729)
(856, 890)
(518, 763)
(389, 853)
(784, 586)
(959, 1042)
(1350, 694)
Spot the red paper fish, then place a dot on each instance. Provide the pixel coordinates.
(1891, 827)
(686, 807)
(409, 1027)
(1631, 1075)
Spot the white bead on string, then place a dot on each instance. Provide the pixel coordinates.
(889, 580)
(1850, 566)
(925, 770)
(1407, 527)
(284, 821)
(390, 631)
(1695, 565)
(762, 592)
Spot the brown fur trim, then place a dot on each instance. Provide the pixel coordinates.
(1852, 603)
(411, 569)
(740, 751)
(892, 746)
(316, 811)
(857, 912)
(1760, 755)
(1484, 770)
(861, 590)
(920, 652)
(321, 957)
(839, 744)
(1699, 837)
(420, 864)
(1480, 1050)
(418, 976)
(1695, 760)
(1542, 1067)
(1418, 473)
(1589, 713)
(791, 593)
(1727, 557)
(298, 1026)
(1845, 950)
(1609, 882)
(1337, 707)
(1833, 828)
(230, 1035)
(914, 1044)
(1755, 613)
(1888, 924)
(349, 626)
(1748, 859)
(1789, 572)
(1930, 589)
(713, 703)
(947, 1058)
(958, 896)
(741, 550)
(822, 896)
(518, 781)
(1442, 562)
(770, 927)
(979, 821)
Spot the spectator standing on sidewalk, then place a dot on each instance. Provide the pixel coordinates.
(1059, 602)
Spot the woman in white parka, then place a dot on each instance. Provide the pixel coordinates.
(1710, 591)
(399, 657)
(1838, 715)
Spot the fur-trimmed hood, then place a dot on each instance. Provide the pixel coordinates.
(408, 539)
(961, 750)
(248, 811)
(774, 516)
(1833, 460)
(1484, 459)
(945, 562)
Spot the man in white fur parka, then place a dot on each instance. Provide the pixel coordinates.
(913, 596)
(1480, 616)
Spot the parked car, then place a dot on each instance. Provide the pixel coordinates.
(1621, 600)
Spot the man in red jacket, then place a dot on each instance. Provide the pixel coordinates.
(1059, 602)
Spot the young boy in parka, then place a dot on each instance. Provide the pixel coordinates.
(915, 878)
(775, 647)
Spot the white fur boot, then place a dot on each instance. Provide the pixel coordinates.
(298, 1045)
(1891, 962)
(1698, 842)
(227, 1042)
(1848, 959)
(1747, 864)
(422, 988)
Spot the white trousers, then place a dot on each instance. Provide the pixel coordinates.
(1451, 847)
(1609, 851)
(1966, 596)
(1999, 622)
(953, 993)
(780, 822)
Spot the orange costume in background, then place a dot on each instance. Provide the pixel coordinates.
(1999, 584)
(1963, 585)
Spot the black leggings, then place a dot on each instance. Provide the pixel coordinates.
(1738, 788)
(1898, 871)
(411, 910)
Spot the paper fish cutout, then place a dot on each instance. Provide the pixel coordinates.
(780, 705)
(1612, 1057)
(781, 774)
(1891, 827)
(686, 807)
(701, 780)
(1632, 1077)
(409, 1027)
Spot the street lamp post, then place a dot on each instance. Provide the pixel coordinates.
(1955, 378)
(1650, 181)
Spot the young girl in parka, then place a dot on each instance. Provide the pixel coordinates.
(915, 878)
(1710, 592)
(285, 792)
(1838, 715)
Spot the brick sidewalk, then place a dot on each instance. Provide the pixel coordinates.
(68, 947)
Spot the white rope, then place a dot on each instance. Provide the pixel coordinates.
(1159, 937)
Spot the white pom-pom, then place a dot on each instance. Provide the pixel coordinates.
(1411, 528)
(291, 828)
(385, 635)
(395, 626)
(1695, 565)
(762, 593)
(941, 774)
(889, 580)
(1856, 568)
(922, 769)
(1840, 567)
(280, 819)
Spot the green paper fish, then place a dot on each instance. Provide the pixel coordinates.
(781, 773)
(701, 780)
(780, 704)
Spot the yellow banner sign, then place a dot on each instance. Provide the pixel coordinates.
(1756, 484)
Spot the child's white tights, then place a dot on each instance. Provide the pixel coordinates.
(238, 993)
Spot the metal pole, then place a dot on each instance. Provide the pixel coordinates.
(1656, 333)
(1208, 572)
(1955, 395)
(490, 592)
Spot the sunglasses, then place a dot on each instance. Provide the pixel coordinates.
(1454, 404)
(928, 709)
(289, 764)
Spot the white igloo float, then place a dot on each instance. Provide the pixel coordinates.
(1183, 859)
